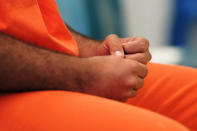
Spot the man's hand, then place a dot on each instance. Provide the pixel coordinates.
(40, 69)
(32, 68)
(136, 48)
(113, 77)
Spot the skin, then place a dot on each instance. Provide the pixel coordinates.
(27, 68)
(134, 48)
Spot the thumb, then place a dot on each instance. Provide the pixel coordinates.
(113, 42)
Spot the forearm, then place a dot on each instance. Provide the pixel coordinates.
(87, 46)
(24, 67)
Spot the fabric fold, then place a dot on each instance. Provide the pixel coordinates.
(37, 22)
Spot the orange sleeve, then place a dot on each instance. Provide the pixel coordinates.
(37, 22)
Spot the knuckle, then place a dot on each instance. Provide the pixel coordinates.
(145, 40)
(144, 44)
(113, 41)
(134, 66)
(131, 93)
(145, 71)
(131, 83)
(109, 37)
(134, 94)
(112, 35)
(107, 40)
(146, 57)
(150, 56)
(142, 56)
(124, 99)
(141, 84)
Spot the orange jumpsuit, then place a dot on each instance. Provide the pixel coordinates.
(168, 101)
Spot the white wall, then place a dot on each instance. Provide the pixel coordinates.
(149, 18)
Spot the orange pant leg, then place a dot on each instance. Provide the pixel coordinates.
(67, 111)
(171, 91)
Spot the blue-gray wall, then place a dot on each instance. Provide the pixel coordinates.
(94, 18)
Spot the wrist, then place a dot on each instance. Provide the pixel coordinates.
(88, 47)
(67, 74)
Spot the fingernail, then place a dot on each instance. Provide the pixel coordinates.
(118, 53)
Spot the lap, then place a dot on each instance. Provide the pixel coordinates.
(171, 91)
(60, 110)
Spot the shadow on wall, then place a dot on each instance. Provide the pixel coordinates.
(94, 18)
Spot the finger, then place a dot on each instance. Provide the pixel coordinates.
(140, 83)
(134, 83)
(130, 93)
(143, 71)
(114, 45)
(140, 69)
(139, 45)
(143, 58)
(125, 40)
(122, 99)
